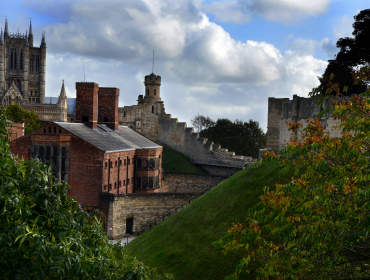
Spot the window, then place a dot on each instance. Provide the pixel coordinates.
(124, 162)
(124, 182)
(139, 163)
(105, 187)
(124, 114)
(147, 92)
(44, 128)
(21, 59)
(60, 131)
(119, 183)
(155, 92)
(115, 185)
(128, 161)
(110, 186)
(85, 118)
(55, 130)
(110, 164)
(15, 59)
(152, 109)
(128, 181)
(120, 162)
(106, 165)
(11, 60)
(49, 129)
(63, 177)
(115, 164)
(106, 119)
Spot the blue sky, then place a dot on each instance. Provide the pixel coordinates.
(217, 58)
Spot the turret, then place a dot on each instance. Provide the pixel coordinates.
(42, 69)
(26, 69)
(6, 30)
(152, 87)
(30, 36)
(62, 104)
(2, 65)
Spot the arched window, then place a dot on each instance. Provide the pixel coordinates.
(15, 59)
(21, 59)
(155, 92)
(11, 59)
(147, 92)
(37, 64)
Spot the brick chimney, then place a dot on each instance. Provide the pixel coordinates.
(108, 107)
(87, 104)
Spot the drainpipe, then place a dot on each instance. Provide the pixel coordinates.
(126, 173)
(118, 174)
(108, 174)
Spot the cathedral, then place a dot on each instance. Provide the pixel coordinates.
(22, 76)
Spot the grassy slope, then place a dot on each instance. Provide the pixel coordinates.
(182, 244)
(173, 161)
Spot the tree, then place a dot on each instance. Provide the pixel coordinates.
(16, 114)
(353, 52)
(44, 234)
(243, 138)
(200, 122)
(317, 226)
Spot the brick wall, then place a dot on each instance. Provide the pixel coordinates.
(87, 102)
(17, 130)
(21, 147)
(108, 106)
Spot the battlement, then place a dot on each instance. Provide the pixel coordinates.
(152, 79)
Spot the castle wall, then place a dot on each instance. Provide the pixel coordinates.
(187, 182)
(140, 207)
(300, 109)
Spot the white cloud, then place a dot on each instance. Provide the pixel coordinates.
(203, 68)
(344, 28)
(285, 11)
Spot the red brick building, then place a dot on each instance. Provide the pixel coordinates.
(17, 130)
(95, 155)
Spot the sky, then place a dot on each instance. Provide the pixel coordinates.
(221, 59)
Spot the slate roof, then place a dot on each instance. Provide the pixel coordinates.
(109, 140)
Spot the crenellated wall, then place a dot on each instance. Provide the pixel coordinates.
(300, 109)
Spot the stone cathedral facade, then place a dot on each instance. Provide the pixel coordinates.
(22, 75)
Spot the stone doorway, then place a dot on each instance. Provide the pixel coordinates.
(129, 225)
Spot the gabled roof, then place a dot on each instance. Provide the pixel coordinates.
(108, 140)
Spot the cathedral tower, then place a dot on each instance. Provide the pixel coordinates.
(24, 66)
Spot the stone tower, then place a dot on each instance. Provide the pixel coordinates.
(152, 87)
(24, 66)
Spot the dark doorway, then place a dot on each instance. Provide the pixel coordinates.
(129, 225)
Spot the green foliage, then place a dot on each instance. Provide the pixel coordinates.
(243, 138)
(16, 114)
(44, 234)
(173, 161)
(317, 226)
(182, 244)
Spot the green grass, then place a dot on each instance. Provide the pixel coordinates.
(182, 244)
(173, 161)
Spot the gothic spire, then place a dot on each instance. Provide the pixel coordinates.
(26, 44)
(62, 91)
(6, 31)
(30, 34)
(1, 37)
(43, 43)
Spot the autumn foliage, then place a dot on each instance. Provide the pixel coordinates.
(317, 226)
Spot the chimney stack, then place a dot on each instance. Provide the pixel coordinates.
(108, 107)
(87, 104)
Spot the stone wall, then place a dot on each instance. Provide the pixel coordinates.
(186, 182)
(140, 207)
(300, 109)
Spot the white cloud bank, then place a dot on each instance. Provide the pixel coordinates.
(203, 69)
